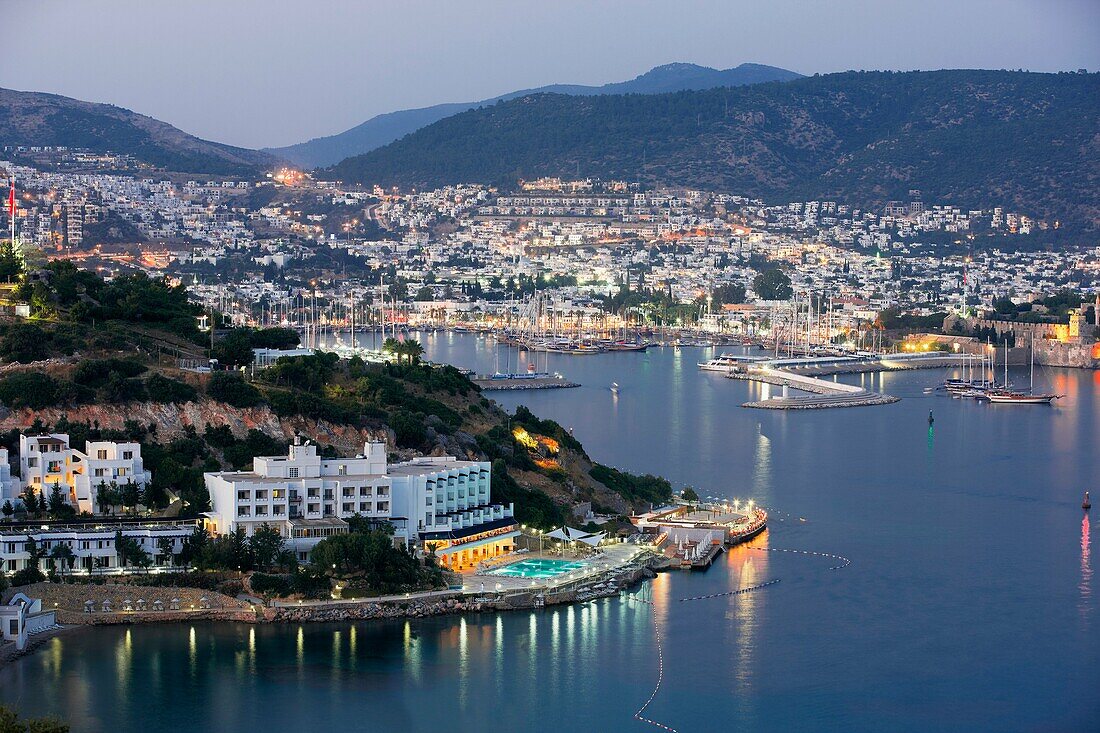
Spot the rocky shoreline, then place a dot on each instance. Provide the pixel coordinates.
(229, 609)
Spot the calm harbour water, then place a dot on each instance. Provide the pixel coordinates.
(969, 603)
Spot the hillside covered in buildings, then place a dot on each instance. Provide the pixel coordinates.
(867, 137)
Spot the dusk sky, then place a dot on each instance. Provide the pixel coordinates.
(267, 73)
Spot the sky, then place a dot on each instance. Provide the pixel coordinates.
(273, 72)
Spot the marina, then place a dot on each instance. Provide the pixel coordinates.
(940, 511)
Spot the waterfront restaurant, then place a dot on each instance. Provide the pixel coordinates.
(463, 549)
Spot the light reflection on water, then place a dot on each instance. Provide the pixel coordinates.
(960, 539)
(1086, 571)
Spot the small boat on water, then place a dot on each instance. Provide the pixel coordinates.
(1007, 397)
(614, 388)
(1013, 397)
(721, 363)
(625, 346)
(1086, 504)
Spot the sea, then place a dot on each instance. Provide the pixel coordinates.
(930, 577)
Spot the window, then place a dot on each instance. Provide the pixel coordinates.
(292, 472)
(32, 462)
(100, 471)
(243, 495)
(127, 455)
(364, 506)
(101, 455)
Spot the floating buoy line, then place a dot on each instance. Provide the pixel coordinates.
(639, 715)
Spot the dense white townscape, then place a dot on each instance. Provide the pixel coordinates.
(582, 240)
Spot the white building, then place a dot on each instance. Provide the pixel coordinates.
(10, 486)
(46, 461)
(92, 542)
(436, 503)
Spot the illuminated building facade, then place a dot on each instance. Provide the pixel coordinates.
(433, 502)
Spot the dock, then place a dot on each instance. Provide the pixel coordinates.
(692, 536)
(818, 393)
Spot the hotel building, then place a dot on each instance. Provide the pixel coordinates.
(438, 505)
(92, 542)
(46, 461)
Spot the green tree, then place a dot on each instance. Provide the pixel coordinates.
(234, 349)
(729, 293)
(267, 546)
(194, 545)
(232, 390)
(57, 503)
(11, 266)
(7, 509)
(30, 499)
(772, 284)
(25, 343)
(131, 495)
(106, 496)
(165, 548)
(63, 556)
(689, 494)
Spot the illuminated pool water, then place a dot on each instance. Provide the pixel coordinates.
(538, 568)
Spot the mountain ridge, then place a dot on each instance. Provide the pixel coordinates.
(43, 119)
(390, 126)
(963, 137)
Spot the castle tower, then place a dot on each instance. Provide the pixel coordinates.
(1074, 327)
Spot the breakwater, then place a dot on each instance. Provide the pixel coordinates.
(488, 384)
(821, 395)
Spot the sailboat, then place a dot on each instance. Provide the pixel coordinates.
(1011, 397)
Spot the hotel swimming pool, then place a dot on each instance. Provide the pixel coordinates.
(537, 568)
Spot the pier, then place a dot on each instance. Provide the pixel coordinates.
(691, 536)
(801, 373)
(819, 393)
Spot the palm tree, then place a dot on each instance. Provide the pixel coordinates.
(393, 346)
(413, 350)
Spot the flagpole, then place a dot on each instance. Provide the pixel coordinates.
(11, 208)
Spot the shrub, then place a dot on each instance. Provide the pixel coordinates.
(166, 390)
(232, 390)
(97, 372)
(29, 389)
(27, 576)
(276, 585)
(653, 489)
(408, 428)
(24, 343)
